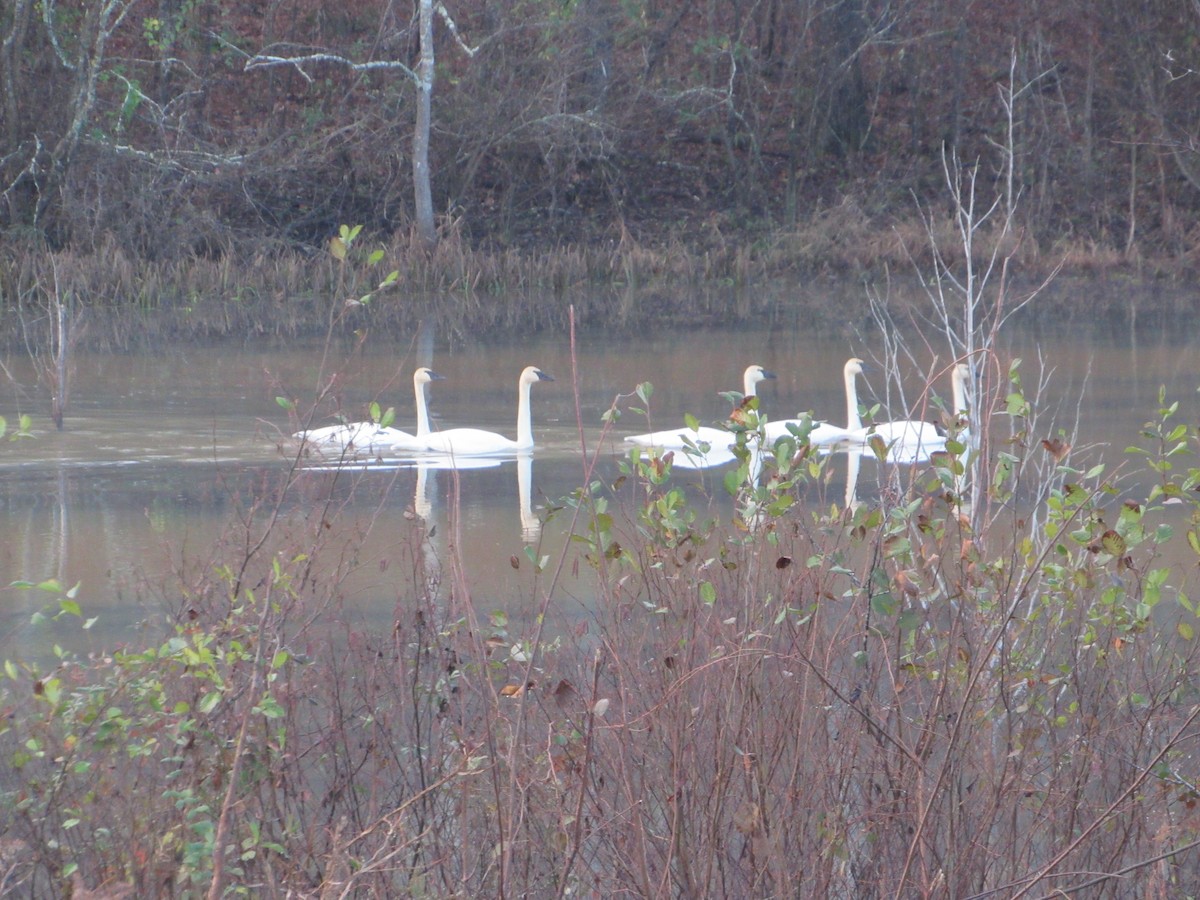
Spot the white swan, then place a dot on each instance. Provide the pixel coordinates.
(477, 442)
(716, 438)
(823, 433)
(370, 437)
(405, 441)
(914, 438)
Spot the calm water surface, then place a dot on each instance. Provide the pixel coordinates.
(163, 450)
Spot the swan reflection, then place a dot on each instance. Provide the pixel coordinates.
(426, 487)
(427, 468)
(531, 524)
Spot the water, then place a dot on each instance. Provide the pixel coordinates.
(164, 451)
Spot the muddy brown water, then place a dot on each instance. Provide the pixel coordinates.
(162, 450)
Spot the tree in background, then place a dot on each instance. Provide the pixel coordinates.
(196, 127)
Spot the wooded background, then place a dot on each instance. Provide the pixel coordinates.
(146, 123)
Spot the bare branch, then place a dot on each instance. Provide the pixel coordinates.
(450, 24)
(263, 60)
(48, 22)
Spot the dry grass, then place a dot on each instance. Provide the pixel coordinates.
(287, 292)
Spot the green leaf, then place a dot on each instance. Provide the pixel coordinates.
(209, 702)
(270, 708)
(884, 604)
(732, 482)
(1185, 630)
(1113, 543)
(285, 403)
(708, 593)
(910, 619)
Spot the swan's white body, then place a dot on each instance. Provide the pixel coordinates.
(477, 442)
(369, 437)
(360, 437)
(824, 434)
(696, 460)
(716, 438)
(913, 439)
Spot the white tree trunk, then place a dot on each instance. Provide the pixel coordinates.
(423, 197)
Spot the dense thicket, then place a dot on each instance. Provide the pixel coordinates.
(142, 123)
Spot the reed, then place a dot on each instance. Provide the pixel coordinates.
(289, 291)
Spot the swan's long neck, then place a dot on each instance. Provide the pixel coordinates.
(524, 422)
(749, 386)
(853, 422)
(958, 392)
(423, 428)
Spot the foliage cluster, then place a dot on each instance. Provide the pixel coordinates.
(770, 695)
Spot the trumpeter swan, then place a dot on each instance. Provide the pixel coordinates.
(477, 442)
(823, 433)
(915, 437)
(716, 438)
(405, 441)
(370, 437)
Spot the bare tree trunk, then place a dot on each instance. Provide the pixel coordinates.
(423, 196)
(58, 402)
(99, 24)
(12, 44)
(848, 115)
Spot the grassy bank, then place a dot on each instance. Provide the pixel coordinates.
(613, 280)
(916, 696)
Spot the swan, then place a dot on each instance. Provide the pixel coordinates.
(371, 437)
(823, 433)
(914, 437)
(403, 440)
(477, 442)
(716, 438)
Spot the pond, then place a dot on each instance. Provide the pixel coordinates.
(163, 450)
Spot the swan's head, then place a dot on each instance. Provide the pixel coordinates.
(755, 374)
(424, 376)
(532, 374)
(854, 366)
